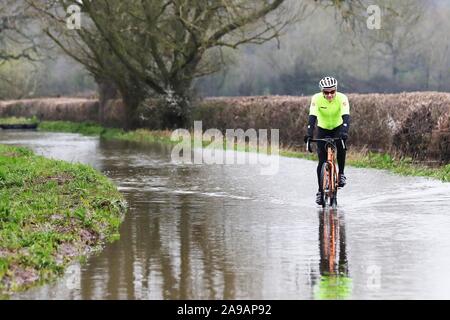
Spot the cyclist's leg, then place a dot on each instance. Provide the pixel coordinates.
(322, 159)
(340, 150)
(341, 155)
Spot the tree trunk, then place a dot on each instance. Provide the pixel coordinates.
(395, 68)
(107, 91)
(178, 106)
(131, 103)
(176, 113)
(427, 76)
(133, 94)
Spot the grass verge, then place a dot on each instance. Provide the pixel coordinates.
(52, 213)
(15, 120)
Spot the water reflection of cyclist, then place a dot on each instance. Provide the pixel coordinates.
(331, 110)
(334, 280)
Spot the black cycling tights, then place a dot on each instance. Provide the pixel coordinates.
(322, 153)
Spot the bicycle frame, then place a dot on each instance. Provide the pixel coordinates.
(329, 179)
(331, 160)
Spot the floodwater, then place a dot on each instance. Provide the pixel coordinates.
(228, 232)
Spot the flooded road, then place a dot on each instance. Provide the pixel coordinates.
(227, 232)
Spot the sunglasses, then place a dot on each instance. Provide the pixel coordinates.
(329, 92)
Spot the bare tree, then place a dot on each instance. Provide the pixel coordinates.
(158, 47)
(359, 57)
(17, 41)
(434, 53)
(398, 35)
(162, 46)
(20, 49)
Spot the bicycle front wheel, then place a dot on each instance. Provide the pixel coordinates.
(325, 182)
(334, 188)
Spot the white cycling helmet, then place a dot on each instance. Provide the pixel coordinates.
(327, 82)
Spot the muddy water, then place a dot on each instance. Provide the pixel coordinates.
(228, 232)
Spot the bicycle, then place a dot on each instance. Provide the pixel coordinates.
(328, 173)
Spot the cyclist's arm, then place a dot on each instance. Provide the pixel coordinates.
(312, 119)
(311, 124)
(345, 113)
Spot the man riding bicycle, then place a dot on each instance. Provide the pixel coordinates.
(331, 110)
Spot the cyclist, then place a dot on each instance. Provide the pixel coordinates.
(331, 110)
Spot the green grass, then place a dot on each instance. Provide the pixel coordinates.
(402, 166)
(90, 129)
(14, 120)
(86, 128)
(51, 212)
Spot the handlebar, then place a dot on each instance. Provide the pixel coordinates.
(327, 140)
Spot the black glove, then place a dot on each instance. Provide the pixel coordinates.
(306, 138)
(345, 126)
